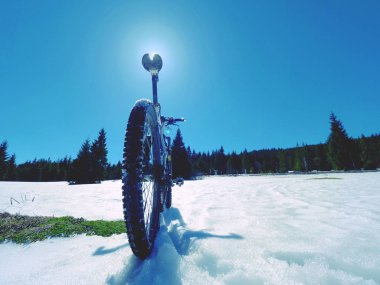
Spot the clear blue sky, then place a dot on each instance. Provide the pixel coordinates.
(245, 74)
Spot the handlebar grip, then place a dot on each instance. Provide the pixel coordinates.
(171, 120)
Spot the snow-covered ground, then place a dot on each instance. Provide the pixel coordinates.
(295, 229)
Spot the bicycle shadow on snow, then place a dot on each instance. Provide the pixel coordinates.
(173, 241)
(102, 250)
(183, 237)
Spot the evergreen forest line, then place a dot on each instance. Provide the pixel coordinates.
(90, 166)
(340, 152)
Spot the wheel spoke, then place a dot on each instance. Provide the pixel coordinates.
(148, 179)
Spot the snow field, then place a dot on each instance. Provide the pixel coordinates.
(294, 229)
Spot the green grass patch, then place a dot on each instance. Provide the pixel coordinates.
(25, 229)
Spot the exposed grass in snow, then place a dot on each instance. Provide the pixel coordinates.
(24, 229)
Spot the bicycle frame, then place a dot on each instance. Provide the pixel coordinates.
(165, 141)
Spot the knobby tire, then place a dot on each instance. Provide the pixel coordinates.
(141, 179)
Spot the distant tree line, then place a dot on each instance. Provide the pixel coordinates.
(90, 165)
(340, 152)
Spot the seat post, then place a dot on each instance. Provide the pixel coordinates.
(154, 84)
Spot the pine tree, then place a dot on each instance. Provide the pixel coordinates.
(180, 158)
(233, 164)
(367, 152)
(65, 166)
(204, 163)
(245, 164)
(283, 166)
(11, 169)
(99, 157)
(113, 171)
(298, 159)
(317, 160)
(82, 165)
(221, 161)
(3, 159)
(338, 145)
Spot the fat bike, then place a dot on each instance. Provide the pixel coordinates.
(147, 169)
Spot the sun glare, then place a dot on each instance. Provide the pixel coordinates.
(151, 55)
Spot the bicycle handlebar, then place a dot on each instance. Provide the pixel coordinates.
(171, 120)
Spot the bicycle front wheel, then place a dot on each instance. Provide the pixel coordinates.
(141, 179)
